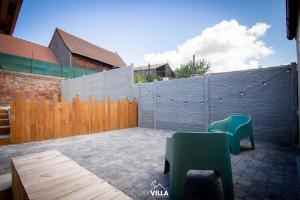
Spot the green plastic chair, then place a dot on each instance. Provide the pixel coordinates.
(237, 127)
(199, 151)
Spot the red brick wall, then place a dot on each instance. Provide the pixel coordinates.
(82, 61)
(10, 82)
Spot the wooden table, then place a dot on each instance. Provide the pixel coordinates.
(51, 175)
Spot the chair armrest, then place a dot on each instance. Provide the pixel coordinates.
(169, 148)
(220, 125)
(169, 141)
(243, 130)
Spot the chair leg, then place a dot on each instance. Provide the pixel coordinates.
(167, 167)
(216, 172)
(235, 148)
(177, 184)
(227, 184)
(252, 141)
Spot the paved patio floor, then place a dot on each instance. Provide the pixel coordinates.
(131, 159)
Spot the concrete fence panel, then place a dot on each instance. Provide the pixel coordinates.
(116, 84)
(269, 95)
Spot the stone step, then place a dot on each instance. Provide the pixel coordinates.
(5, 187)
(4, 130)
(3, 115)
(3, 111)
(4, 140)
(4, 122)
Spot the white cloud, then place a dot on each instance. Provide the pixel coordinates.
(227, 46)
(259, 29)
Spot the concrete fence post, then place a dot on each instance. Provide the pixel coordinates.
(105, 89)
(139, 105)
(154, 104)
(206, 101)
(131, 81)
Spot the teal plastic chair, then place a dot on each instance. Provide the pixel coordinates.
(199, 151)
(237, 127)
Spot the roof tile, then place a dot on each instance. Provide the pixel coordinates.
(15, 46)
(79, 46)
(154, 66)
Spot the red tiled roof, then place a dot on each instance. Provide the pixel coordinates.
(19, 47)
(84, 48)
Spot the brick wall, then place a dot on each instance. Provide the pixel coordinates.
(88, 63)
(12, 81)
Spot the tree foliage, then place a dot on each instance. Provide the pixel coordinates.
(186, 70)
(147, 78)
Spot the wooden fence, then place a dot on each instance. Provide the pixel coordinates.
(38, 119)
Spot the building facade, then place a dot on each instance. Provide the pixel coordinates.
(162, 70)
(293, 32)
(73, 51)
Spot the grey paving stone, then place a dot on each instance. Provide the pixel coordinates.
(130, 159)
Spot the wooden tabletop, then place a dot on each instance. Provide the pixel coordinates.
(51, 175)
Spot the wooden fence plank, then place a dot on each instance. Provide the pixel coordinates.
(130, 120)
(122, 117)
(47, 119)
(126, 113)
(51, 121)
(23, 120)
(64, 118)
(12, 122)
(27, 120)
(38, 125)
(95, 116)
(135, 115)
(112, 116)
(118, 114)
(101, 116)
(56, 117)
(69, 128)
(18, 118)
(33, 117)
(39, 119)
(89, 114)
(83, 117)
(107, 114)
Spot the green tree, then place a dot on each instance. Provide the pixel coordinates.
(147, 78)
(186, 70)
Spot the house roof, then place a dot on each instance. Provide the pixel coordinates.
(9, 10)
(154, 66)
(18, 47)
(292, 15)
(81, 47)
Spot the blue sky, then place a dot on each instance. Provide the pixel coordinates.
(137, 28)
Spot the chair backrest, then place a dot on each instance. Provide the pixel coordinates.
(203, 147)
(236, 120)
